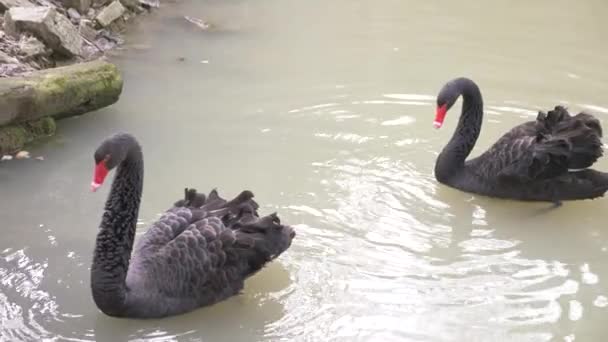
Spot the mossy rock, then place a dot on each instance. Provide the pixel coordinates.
(59, 92)
(14, 137)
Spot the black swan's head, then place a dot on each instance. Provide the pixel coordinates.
(110, 153)
(446, 99)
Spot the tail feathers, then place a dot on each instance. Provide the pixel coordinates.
(241, 209)
(577, 138)
(260, 240)
(586, 184)
(192, 199)
(234, 232)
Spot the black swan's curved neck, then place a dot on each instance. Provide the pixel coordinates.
(117, 230)
(452, 157)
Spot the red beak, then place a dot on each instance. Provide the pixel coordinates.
(101, 171)
(440, 116)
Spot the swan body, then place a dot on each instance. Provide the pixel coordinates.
(547, 159)
(198, 253)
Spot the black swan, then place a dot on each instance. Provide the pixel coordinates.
(542, 160)
(198, 253)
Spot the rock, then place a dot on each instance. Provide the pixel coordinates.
(47, 25)
(114, 11)
(105, 44)
(22, 155)
(32, 47)
(100, 3)
(86, 30)
(6, 4)
(130, 3)
(150, 3)
(14, 137)
(81, 6)
(90, 52)
(6, 59)
(59, 92)
(8, 70)
(73, 14)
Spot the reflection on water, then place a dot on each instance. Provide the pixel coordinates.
(20, 314)
(324, 110)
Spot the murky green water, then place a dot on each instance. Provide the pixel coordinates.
(324, 109)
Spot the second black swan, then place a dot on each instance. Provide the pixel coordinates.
(198, 253)
(547, 159)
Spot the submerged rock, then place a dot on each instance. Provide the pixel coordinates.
(45, 23)
(14, 137)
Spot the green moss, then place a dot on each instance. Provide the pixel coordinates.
(43, 127)
(14, 137)
(66, 94)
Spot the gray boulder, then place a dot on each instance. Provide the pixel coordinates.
(112, 12)
(81, 6)
(6, 4)
(32, 47)
(6, 59)
(85, 27)
(74, 14)
(53, 28)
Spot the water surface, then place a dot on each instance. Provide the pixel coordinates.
(324, 109)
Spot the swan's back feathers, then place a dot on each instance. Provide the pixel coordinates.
(201, 250)
(579, 135)
(543, 149)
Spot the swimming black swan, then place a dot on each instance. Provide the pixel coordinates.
(535, 161)
(198, 253)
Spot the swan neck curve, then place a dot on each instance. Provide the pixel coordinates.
(117, 232)
(453, 156)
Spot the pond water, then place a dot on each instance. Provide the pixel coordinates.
(324, 109)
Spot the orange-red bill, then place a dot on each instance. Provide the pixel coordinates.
(101, 171)
(440, 116)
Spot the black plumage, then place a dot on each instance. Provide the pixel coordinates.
(534, 161)
(198, 253)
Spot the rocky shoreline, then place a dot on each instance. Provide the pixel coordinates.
(41, 34)
(49, 62)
